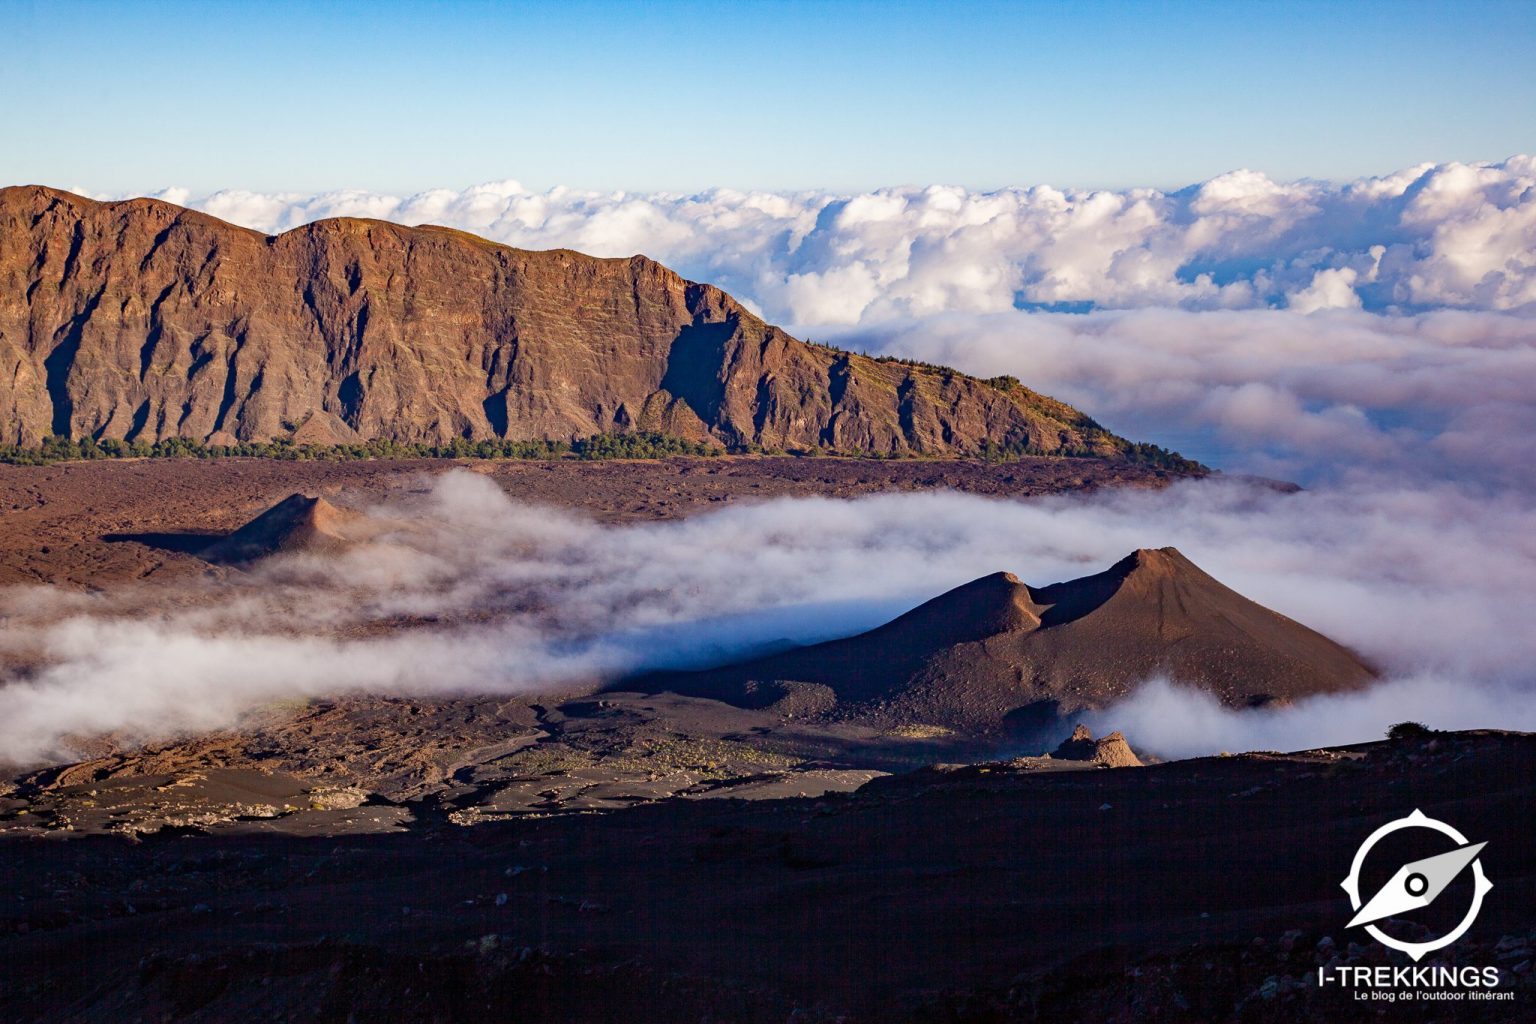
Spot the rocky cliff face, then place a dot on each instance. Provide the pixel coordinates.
(141, 320)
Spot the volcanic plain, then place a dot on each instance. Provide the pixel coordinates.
(853, 831)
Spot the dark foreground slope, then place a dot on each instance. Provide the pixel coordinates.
(998, 650)
(1199, 891)
(141, 320)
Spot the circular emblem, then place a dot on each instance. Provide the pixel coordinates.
(1417, 884)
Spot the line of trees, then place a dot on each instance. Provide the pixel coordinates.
(640, 445)
(643, 444)
(1137, 453)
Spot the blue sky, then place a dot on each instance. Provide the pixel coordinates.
(675, 95)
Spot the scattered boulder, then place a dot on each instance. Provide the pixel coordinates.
(1112, 751)
(1077, 747)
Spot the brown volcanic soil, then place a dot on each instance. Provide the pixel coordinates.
(473, 758)
(997, 651)
(1201, 891)
(93, 524)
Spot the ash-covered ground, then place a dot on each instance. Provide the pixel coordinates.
(425, 851)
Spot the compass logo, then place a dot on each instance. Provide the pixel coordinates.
(1416, 884)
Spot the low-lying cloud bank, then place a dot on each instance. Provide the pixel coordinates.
(1176, 722)
(480, 593)
(1431, 397)
(1427, 237)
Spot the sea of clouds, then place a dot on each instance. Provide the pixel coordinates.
(1299, 329)
(1375, 340)
(1458, 236)
(1315, 398)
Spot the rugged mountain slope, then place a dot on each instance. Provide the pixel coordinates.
(997, 649)
(142, 320)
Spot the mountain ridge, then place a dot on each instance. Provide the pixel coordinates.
(141, 320)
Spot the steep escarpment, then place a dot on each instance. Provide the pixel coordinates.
(141, 320)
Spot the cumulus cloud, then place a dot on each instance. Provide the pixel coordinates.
(1433, 236)
(1333, 288)
(469, 591)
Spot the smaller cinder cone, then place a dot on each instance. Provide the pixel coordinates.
(297, 523)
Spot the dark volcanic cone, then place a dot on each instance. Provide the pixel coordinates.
(297, 523)
(997, 651)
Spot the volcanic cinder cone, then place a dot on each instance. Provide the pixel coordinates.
(996, 651)
(297, 523)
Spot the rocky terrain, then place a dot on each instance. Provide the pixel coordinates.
(140, 321)
(372, 764)
(167, 533)
(989, 669)
(1199, 891)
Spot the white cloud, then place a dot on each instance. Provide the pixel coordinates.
(1431, 583)
(1433, 236)
(1440, 396)
(1333, 288)
(1172, 721)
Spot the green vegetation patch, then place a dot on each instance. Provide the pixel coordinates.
(641, 445)
(1136, 453)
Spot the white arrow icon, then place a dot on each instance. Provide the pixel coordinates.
(1417, 884)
